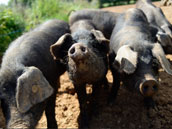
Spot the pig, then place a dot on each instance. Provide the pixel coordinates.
(135, 57)
(85, 53)
(158, 20)
(29, 77)
(103, 21)
(166, 2)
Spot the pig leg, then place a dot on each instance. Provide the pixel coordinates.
(116, 80)
(115, 87)
(50, 112)
(94, 102)
(82, 98)
(50, 109)
(105, 83)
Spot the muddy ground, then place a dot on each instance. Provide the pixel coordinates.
(128, 112)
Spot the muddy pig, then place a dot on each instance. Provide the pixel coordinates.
(102, 20)
(85, 53)
(134, 56)
(29, 77)
(157, 19)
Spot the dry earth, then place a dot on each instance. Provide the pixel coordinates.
(127, 112)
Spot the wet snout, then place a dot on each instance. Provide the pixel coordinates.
(78, 52)
(149, 87)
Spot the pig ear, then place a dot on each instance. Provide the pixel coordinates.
(127, 59)
(100, 37)
(167, 29)
(158, 52)
(32, 88)
(164, 39)
(60, 48)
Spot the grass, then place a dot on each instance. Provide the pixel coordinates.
(42, 10)
(107, 3)
(11, 24)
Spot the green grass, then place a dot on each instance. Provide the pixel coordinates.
(11, 26)
(15, 19)
(107, 3)
(42, 10)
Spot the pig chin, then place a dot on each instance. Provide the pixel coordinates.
(86, 70)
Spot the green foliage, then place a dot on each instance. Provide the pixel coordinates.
(11, 27)
(21, 2)
(42, 10)
(26, 14)
(107, 3)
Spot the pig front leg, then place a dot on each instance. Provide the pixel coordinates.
(116, 80)
(84, 108)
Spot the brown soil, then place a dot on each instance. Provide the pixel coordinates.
(127, 112)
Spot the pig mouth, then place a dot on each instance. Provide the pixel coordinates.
(88, 69)
(80, 64)
(79, 59)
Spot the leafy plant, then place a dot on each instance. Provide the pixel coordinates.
(11, 27)
(42, 10)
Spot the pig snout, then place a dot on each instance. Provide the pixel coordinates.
(149, 87)
(78, 52)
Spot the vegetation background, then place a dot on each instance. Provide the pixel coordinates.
(20, 16)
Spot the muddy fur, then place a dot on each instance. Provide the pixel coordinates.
(89, 71)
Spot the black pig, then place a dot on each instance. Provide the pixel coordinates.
(29, 77)
(134, 56)
(157, 19)
(102, 20)
(85, 52)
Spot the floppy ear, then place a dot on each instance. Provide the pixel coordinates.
(127, 59)
(100, 37)
(32, 88)
(158, 52)
(164, 39)
(168, 29)
(127, 66)
(60, 48)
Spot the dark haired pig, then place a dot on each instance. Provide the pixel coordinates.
(134, 56)
(29, 76)
(102, 20)
(85, 52)
(157, 19)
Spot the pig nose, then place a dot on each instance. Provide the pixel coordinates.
(149, 87)
(74, 49)
(78, 51)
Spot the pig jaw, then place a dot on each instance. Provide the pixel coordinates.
(17, 121)
(87, 70)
